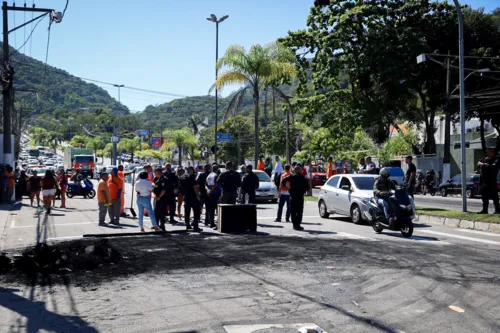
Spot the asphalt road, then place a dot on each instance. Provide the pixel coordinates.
(340, 276)
(451, 202)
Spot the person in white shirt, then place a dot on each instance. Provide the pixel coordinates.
(143, 187)
(278, 170)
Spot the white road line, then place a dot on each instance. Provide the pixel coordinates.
(353, 236)
(479, 232)
(55, 225)
(62, 238)
(13, 223)
(484, 241)
(273, 217)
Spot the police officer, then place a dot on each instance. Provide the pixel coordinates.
(160, 192)
(297, 185)
(212, 196)
(172, 186)
(230, 181)
(488, 181)
(202, 181)
(249, 185)
(191, 194)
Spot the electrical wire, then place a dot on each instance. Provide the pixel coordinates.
(29, 37)
(32, 6)
(47, 51)
(24, 28)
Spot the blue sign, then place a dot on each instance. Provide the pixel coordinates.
(142, 132)
(223, 137)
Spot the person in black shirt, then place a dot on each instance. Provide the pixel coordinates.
(202, 180)
(191, 194)
(297, 185)
(249, 185)
(172, 185)
(160, 192)
(488, 181)
(230, 181)
(410, 178)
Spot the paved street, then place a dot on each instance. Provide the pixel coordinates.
(340, 276)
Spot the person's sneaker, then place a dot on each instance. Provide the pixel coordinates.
(277, 220)
(142, 229)
(215, 227)
(287, 220)
(298, 228)
(114, 223)
(173, 222)
(482, 212)
(189, 227)
(102, 224)
(157, 229)
(197, 229)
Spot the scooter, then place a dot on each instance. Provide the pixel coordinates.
(402, 209)
(86, 189)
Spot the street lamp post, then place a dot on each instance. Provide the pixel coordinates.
(113, 160)
(214, 19)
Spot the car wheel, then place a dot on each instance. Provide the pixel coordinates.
(444, 193)
(469, 194)
(323, 211)
(274, 200)
(356, 214)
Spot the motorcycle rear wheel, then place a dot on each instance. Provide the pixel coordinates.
(407, 229)
(91, 194)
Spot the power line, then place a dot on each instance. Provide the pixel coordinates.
(32, 6)
(29, 37)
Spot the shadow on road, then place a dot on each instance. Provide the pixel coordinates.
(38, 317)
(415, 238)
(270, 226)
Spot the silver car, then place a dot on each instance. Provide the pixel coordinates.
(346, 195)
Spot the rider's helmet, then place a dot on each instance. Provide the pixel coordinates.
(385, 172)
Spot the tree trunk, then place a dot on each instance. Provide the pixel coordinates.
(265, 106)
(483, 140)
(256, 123)
(274, 104)
(180, 155)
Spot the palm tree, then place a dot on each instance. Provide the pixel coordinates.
(194, 123)
(260, 66)
(181, 139)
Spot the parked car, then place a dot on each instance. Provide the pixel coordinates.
(318, 176)
(346, 195)
(454, 185)
(397, 175)
(267, 190)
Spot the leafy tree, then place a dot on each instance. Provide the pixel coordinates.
(96, 143)
(180, 139)
(79, 141)
(130, 146)
(256, 68)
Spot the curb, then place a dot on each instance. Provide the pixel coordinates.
(462, 224)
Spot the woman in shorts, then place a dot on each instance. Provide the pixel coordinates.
(49, 185)
(34, 187)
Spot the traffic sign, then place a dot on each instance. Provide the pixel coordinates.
(115, 139)
(223, 137)
(142, 132)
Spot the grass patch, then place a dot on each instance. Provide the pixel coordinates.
(456, 214)
(310, 198)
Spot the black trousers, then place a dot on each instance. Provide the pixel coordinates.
(192, 204)
(490, 193)
(210, 207)
(297, 208)
(228, 197)
(251, 197)
(160, 211)
(170, 203)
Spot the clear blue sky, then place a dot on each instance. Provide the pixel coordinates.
(163, 45)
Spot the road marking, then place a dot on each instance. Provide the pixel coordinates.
(484, 241)
(353, 236)
(55, 225)
(273, 217)
(479, 232)
(66, 238)
(13, 223)
(457, 309)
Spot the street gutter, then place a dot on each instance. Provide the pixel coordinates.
(459, 223)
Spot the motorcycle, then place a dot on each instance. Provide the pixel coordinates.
(86, 189)
(402, 209)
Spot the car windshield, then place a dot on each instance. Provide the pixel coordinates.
(263, 177)
(364, 183)
(318, 169)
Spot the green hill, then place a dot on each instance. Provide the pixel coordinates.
(56, 89)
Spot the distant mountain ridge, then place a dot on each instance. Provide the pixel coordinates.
(56, 88)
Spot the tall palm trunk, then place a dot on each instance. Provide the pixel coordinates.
(265, 106)
(180, 155)
(256, 121)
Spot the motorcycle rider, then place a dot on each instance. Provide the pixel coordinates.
(382, 191)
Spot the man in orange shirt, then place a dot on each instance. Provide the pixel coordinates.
(284, 197)
(103, 199)
(115, 184)
(122, 174)
(329, 171)
(260, 164)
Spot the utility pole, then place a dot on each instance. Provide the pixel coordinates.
(113, 160)
(8, 158)
(288, 157)
(447, 124)
(214, 19)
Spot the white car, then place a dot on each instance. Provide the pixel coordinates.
(267, 190)
(346, 195)
(33, 162)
